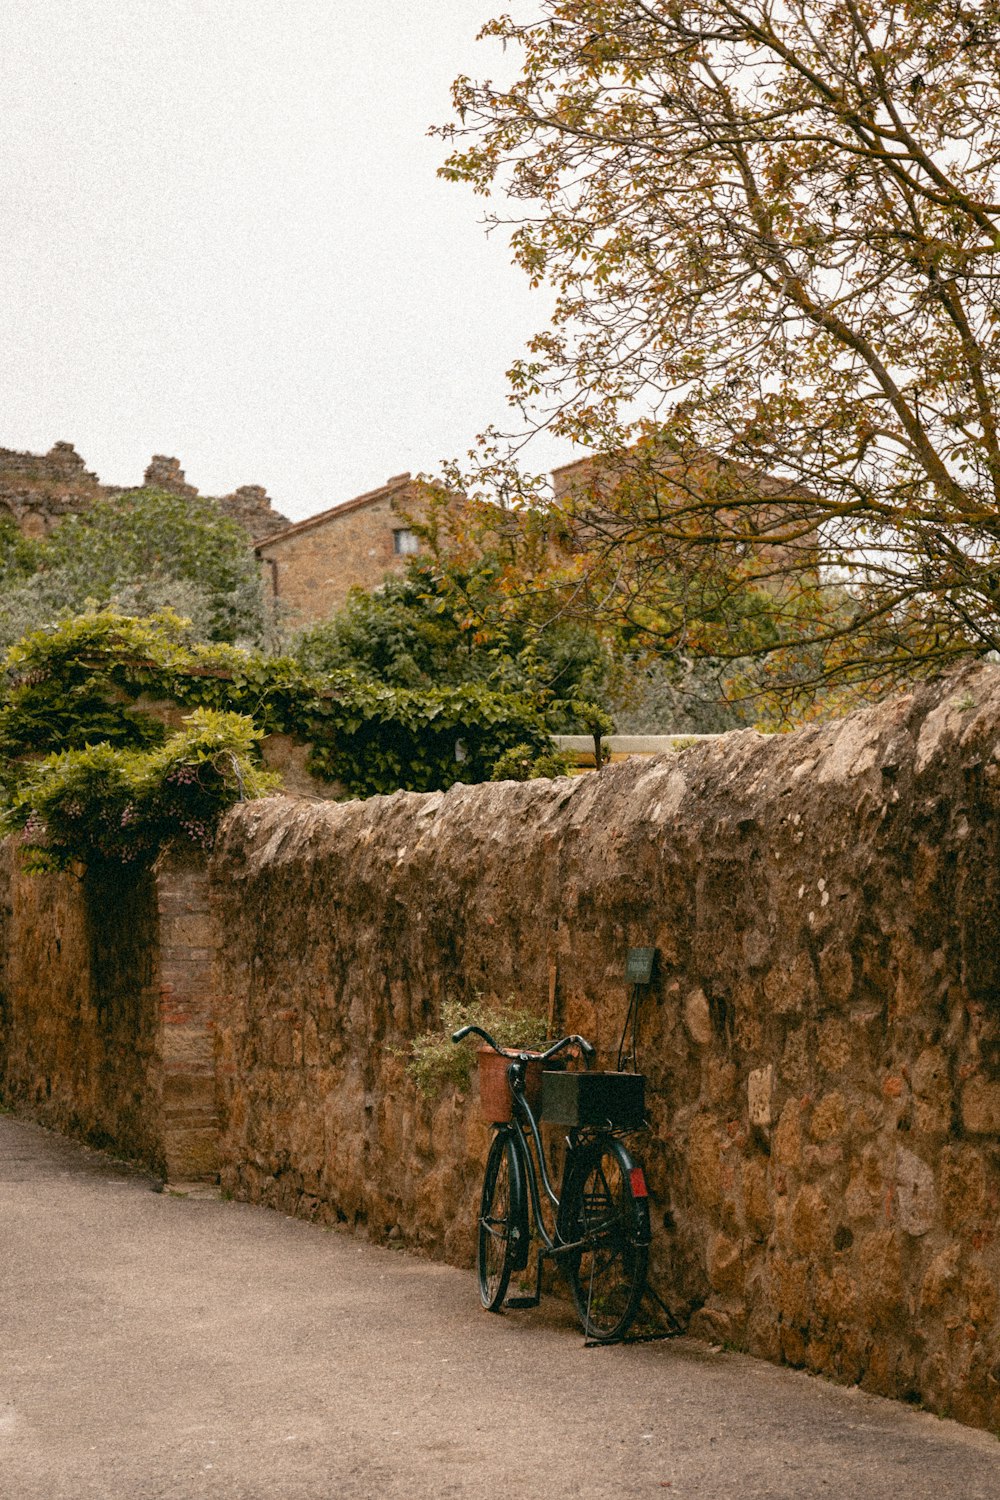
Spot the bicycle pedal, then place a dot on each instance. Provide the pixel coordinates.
(521, 1302)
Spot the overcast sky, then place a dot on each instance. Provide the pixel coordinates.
(222, 238)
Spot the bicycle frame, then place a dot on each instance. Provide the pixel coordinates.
(600, 1214)
(534, 1166)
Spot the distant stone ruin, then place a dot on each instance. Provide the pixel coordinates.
(39, 490)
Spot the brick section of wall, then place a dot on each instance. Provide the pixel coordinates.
(189, 1121)
(106, 1010)
(313, 566)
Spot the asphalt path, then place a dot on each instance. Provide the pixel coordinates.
(164, 1347)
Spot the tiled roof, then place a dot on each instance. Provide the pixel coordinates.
(384, 491)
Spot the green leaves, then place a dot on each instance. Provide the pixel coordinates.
(141, 552)
(376, 739)
(103, 804)
(92, 770)
(436, 1062)
(772, 230)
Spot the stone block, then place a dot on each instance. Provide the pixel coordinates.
(786, 1146)
(793, 1292)
(188, 930)
(915, 1195)
(981, 1106)
(963, 1186)
(796, 1065)
(757, 1198)
(726, 1266)
(866, 1188)
(704, 1161)
(942, 1281)
(836, 973)
(833, 1049)
(929, 1075)
(829, 1118)
(881, 1277)
(788, 988)
(192, 1153)
(185, 1092)
(698, 1018)
(760, 1096)
(809, 1223)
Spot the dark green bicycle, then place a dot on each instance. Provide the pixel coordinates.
(600, 1230)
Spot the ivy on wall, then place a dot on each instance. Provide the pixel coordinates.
(89, 768)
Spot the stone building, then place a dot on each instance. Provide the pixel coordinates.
(750, 514)
(39, 490)
(313, 564)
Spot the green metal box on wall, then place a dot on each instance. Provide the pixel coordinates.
(615, 1099)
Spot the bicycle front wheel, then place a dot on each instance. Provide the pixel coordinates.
(501, 1216)
(602, 1210)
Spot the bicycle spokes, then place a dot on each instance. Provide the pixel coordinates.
(608, 1272)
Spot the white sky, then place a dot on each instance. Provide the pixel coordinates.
(222, 238)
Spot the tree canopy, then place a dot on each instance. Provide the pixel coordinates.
(447, 622)
(143, 551)
(773, 233)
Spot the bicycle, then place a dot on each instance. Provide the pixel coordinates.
(601, 1229)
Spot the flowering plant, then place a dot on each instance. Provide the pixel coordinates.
(104, 804)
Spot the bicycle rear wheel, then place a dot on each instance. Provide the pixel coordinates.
(601, 1208)
(501, 1220)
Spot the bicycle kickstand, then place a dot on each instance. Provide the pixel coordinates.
(531, 1301)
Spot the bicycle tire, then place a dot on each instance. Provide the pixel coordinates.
(607, 1274)
(501, 1220)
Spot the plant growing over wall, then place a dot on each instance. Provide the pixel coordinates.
(75, 683)
(522, 763)
(100, 683)
(377, 739)
(103, 804)
(435, 1062)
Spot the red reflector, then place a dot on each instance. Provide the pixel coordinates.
(638, 1180)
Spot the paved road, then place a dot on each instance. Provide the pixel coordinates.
(155, 1347)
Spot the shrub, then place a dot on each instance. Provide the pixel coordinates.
(523, 763)
(103, 804)
(145, 548)
(435, 1062)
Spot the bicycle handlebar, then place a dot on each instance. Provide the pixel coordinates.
(586, 1049)
(459, 1036)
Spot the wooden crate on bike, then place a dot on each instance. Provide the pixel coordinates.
(614, 1100)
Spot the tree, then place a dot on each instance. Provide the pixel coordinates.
(447, 622)
(773, 233)
(144, 551)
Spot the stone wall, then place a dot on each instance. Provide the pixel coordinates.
(39, 489)
(822, 1041)
(76, 1008)
(105, 1010)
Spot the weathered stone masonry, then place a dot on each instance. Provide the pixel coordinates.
(822, 1041)
(38, 490)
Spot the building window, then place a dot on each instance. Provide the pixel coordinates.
(405, 542)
